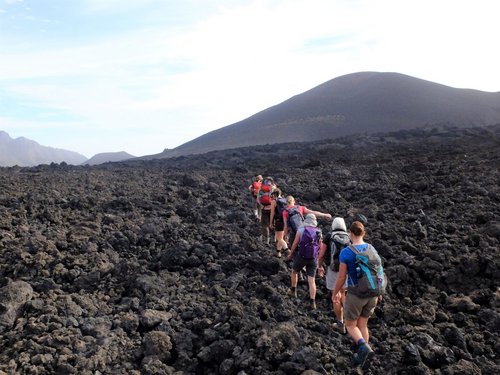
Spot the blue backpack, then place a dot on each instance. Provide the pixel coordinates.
(309, 243)
(295, 219)
(371, 277)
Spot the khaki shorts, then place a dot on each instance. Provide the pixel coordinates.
(355, 307)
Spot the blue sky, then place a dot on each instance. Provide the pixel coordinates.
(140, 76)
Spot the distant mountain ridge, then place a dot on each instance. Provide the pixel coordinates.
(106, 157)
(25, 153)
(364, 102)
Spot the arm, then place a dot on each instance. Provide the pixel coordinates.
(321, 256)
(294, 245)
(340, 282)
(317, 213)
(285, 226)
(273, 208)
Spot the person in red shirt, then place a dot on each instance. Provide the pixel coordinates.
(254, 189)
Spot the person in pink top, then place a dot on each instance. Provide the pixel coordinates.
(293, 216)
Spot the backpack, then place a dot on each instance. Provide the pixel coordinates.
(338, 241)
(295, 219)
(309, 243)
(255, 187)
(264, 195)
(280, 207)
(371, 278)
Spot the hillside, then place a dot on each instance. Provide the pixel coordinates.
(25, 152)
(156, 267)
(363, 102)
(106, 157)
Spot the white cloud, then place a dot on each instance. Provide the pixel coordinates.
(178, 83)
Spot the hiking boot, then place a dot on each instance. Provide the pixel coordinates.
(363, 356)
(339, 327)
(292, 292)
(313, 304)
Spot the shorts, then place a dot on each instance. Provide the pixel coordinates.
(299, 263)
(265, 218)
(331, 279)
(279, 225)
(356, 307)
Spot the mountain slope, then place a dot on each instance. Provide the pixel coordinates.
(350, 104)
(108, 157)
(25, 152)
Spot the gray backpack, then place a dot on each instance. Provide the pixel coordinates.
(371, 278)
(338, 240)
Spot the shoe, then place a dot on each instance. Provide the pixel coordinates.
(313, 304)
(363, 356)
(292, 293)
(339, 327)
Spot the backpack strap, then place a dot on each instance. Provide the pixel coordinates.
(356, 251)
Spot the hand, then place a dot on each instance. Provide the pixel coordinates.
(321, 271)
(328, 216)
(336, 298)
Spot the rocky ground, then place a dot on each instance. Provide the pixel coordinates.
(156, 267)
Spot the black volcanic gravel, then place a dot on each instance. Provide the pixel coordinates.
(156, 267)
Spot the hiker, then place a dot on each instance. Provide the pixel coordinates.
(329, 254)
(264, 200)
(278, 204)
(304, 253)
(357, 310)
(293, 216)
(254, 189)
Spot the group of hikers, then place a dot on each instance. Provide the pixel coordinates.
(352, 268)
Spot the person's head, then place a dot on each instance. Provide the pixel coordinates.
(362, 218)
(290, 201)
(310, 221)
(339, 224)
(276, 193)
(357, 229)
(270, 179)
(258, 177)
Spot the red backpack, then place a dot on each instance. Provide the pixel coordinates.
(264, 195)
(256, 187)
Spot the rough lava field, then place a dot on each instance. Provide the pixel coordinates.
(155, 267)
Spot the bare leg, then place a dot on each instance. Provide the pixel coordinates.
(363, 327)
(280, 244)
(353, 330)
(312, 287)
(294, 279)
(338, 309)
